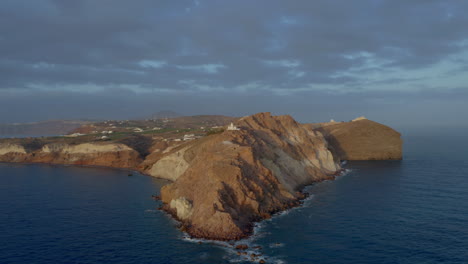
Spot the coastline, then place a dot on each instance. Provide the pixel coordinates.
(221, 185)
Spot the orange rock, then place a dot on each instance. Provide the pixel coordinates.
(361, 139)
(238, 177)
(242, 247)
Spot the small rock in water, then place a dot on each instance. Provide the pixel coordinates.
(242, 247)
(262, 261)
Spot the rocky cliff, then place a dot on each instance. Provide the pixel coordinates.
(92, 154)
(224, 182)
(361, 139)
(227, 181)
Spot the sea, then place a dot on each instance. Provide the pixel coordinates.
(409, 211)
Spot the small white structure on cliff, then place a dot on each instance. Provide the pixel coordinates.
(232, 127)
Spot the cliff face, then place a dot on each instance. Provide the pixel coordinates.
(361, 139)
(224, 182)
(109, 155)
(231, 179)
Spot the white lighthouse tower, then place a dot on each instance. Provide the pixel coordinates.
(232, 127)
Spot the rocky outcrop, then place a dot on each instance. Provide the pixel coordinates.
(93, 154)
(361, 139)
(171, 166)
(11, 148)
(224, 182)
(12, 152)
(238, 177)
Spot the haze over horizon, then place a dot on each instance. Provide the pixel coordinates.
(402, 63)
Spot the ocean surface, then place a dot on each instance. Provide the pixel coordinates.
(410, 211)
(27, 136)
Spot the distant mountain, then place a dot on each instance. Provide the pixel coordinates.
(165, 114)
(43, 128)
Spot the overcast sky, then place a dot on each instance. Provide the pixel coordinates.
(401, 62)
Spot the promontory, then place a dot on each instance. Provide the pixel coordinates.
(226, 173)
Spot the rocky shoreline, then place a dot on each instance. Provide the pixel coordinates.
(225, 182)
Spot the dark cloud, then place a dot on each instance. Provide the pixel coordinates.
(212, 50)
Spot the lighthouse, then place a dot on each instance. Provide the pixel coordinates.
(232, 127)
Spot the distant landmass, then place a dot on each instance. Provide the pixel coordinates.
(226, 172)
(53, 127)
(165, 114)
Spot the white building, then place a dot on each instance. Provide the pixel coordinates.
(189, 137)
(232, 127)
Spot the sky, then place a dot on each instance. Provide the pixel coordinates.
(399, 62)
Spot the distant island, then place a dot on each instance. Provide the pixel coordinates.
(226, 172)
(51, 127)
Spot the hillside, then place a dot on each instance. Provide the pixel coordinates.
(361, 140)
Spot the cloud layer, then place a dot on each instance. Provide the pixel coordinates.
(236, 49)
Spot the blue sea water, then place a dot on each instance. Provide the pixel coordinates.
(410, 211)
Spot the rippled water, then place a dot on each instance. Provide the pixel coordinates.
(413, 211)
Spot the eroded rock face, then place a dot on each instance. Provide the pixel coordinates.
(238, 177)
(11, 148)
(12, 153)
(93, 154)
(361, 139)
(171, 166)
(182, 207)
